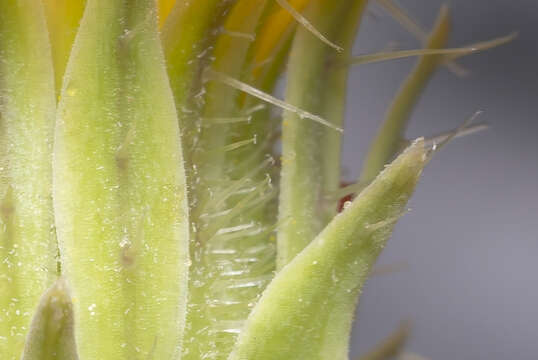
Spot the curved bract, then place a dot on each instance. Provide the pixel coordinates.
(28, 250)
(306, 311)
(52, 336)
(119, 188)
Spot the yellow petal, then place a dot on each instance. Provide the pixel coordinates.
(63, 17)
(165, 6)
(272, 33)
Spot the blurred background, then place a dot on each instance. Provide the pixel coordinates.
(471, 240)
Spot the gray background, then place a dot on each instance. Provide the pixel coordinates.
(471, 239)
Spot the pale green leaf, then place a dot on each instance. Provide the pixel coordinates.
(28, 250)
(306, 311)
(52, 336)
(119, 188)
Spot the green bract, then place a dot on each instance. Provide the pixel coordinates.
(27, 105)
(146, 210)
(51, 334)
(316, 293)
(119, 187)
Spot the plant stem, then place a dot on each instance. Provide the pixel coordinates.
(307, 148)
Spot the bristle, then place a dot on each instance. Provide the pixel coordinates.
(225, 120)
(238, 34)
(398, 14)
(468, 130)
(238, 144)
(230, 326)
(225, 193)
(414, 28)
(307, 25)
(484, 45)
(450, 54)
(213, 75)
(435, 147)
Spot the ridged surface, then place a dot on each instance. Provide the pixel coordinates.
(27, 241)
(52, 335)
(306, 311)
(232, 201)
(119, 188)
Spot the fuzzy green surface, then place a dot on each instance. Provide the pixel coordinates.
(306, 311)
(188, 37)
(305, 144)
(51, 336)
(232, 262)
(119, 188)
(299, 202)
(27, 106)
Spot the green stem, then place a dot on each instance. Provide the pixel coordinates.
(308, 149)
(334, 104)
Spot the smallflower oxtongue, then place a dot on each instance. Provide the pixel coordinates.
(160, 200)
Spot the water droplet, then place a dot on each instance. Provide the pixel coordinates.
(91, 309)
